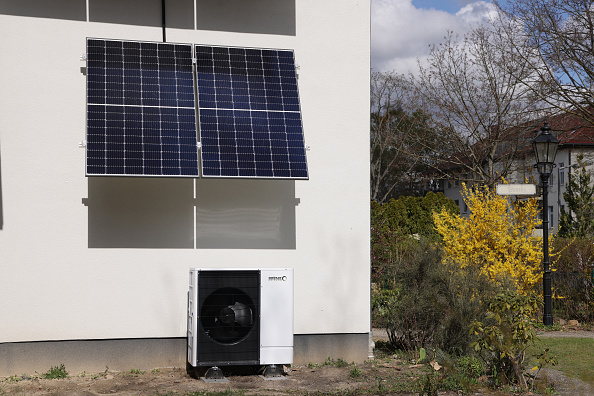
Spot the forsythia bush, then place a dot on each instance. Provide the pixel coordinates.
(497, 238)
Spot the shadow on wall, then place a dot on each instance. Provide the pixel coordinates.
(178, 13)
(245, 214)
(59, 9)
(125, 212)
(253, 16)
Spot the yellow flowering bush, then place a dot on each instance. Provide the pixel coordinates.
(497, 238)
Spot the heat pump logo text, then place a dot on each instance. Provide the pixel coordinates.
(277, 278)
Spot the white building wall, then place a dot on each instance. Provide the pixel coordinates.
(101, 258)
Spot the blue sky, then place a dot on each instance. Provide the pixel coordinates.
(451, 6)
(402, 30)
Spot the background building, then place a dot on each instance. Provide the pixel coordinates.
(576, 138)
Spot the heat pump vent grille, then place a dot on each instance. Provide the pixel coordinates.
(228, 303)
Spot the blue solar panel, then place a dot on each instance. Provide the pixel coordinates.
(141, 117)
(249, 113)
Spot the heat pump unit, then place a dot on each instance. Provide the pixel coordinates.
(239, 317)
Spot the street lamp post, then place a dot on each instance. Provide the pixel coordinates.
(545, 149)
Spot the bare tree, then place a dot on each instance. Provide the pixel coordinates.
(400, 137)
(473, 88)
(556, 40)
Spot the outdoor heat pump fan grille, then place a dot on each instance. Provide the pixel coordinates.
(227, 315)
(229, 309)
(239, 317)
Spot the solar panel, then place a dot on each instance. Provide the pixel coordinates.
(141, 117)
(249, 113)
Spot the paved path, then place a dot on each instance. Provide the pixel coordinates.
(566, 334)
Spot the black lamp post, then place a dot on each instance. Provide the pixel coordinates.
(545, 148)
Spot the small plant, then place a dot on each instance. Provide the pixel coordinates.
(340, 363)
(470, 367)
(355, 372)
(336, 363)
(155, 370)
(379, 383)
(463, 373)
(136, 372)
(422, 355)
(431, 384)
(542, 360)
(56, 372)
(506, 334)
(540, 326)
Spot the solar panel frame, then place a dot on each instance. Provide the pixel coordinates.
(249, 114)
(141, 109)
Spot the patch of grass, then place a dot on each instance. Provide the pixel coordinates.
(56, 372)
(330, 362)
(338, 362)
(574, 355)
(136, 372)
(540, 326)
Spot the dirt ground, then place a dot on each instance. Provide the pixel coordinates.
(387, 374)
(300, 380)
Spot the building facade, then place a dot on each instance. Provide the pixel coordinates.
(576, 138)
(95, 269)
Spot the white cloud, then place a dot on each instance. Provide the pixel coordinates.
(401, 33)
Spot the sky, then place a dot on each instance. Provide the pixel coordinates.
(402, 30)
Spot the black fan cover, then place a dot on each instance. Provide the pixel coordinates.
(229, 313)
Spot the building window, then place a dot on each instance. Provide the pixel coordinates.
(551, 217)
(561, 174)
(457, 202)
(449, 184)
(465, 209)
